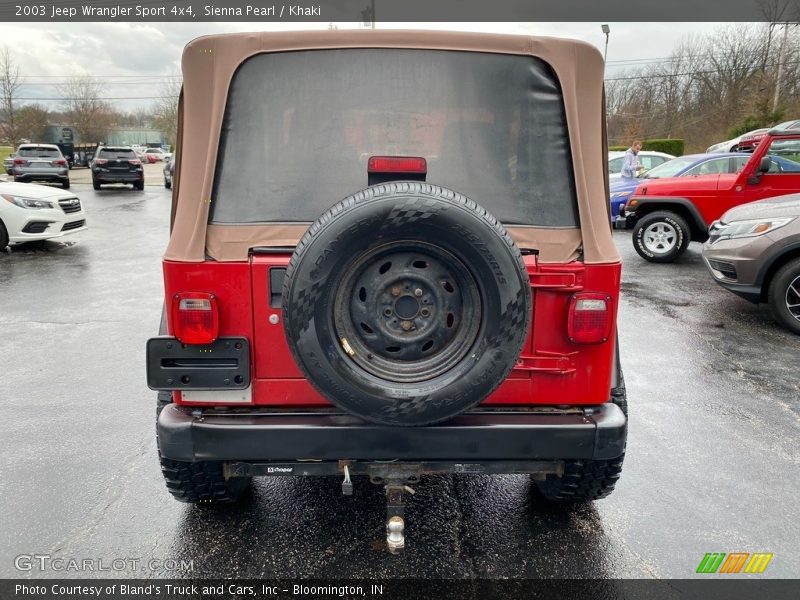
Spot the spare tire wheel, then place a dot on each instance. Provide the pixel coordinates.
(406, 304)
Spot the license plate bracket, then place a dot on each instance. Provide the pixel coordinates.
(222, 365)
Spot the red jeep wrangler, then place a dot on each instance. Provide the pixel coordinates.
(667, 214)
(389, 256)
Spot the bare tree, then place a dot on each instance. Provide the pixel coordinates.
(85, 108)
(9, 86)
(165, 111)
(32, 121)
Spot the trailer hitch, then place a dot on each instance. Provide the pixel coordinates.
(396, 480)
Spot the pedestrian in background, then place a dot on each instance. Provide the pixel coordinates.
(630, 164)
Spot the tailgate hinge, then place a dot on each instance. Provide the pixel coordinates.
(553, 363)
(557, 281)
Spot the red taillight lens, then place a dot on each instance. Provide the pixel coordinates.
(100, 161)
(134, 161)
(195, 317)
(60, 161)
(397, 164)
(19, 161)
(589, 318)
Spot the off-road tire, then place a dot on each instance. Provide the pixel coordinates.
(95, 185)
(777, 291)
(425, 236)
(200, 482)
(587, 480)
(668, 219)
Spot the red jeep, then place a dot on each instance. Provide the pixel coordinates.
(666, 214)
(389, 256)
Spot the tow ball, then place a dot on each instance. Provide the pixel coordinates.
(396, 480)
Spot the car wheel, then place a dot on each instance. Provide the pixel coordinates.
(661, 236)
(201, 482)
(383, 312)
(784, 295)
(3, 237)
(139, 185)
(65, 184)
(95, 184)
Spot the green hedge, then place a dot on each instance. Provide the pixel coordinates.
(674, 147)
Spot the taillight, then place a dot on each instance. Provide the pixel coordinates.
(19, 161)
(589, 318)
(134, 161)
(397, 164)
(195, 317)
(100, 161)
(60, 162)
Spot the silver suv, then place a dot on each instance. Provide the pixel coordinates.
(40, 162)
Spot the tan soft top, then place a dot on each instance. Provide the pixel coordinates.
(208, 67)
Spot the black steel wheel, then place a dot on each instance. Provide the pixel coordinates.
(406, 304)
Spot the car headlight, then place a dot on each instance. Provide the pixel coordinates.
(617, 195)
(23, 202)
(751, 228)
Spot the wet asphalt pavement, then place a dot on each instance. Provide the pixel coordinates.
(712, 462)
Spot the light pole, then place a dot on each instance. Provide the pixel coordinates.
(606, 30)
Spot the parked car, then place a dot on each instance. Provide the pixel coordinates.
(117, 164)
(37, 212)
(169, 168)
(753, 250)
(667, 214)
(393, 336)
(691, 165)
(8, 164)
(648, 158)
(749, 141)
(156, 155)
(40, 162)
(726, 146)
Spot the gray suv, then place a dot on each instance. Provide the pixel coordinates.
(40, 162)
(754, 251)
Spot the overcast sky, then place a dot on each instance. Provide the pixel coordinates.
(49, 52)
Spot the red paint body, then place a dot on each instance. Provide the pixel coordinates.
(714, 194)
(551, 370)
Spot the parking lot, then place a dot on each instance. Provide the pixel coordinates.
(712, 462)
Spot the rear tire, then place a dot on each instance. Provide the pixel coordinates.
(661, 236)
(587, 480)
(784, 289)
(65, 184)
(201, 482)
(95, 185)
(139, 185)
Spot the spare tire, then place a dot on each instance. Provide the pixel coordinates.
(406, 304)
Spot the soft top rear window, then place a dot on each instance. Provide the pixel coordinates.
(299, 128)
(39, 153)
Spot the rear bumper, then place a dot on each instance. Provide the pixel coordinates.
(118, 177)
(189, 434)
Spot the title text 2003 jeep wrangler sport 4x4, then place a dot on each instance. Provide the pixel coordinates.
(390, 255)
